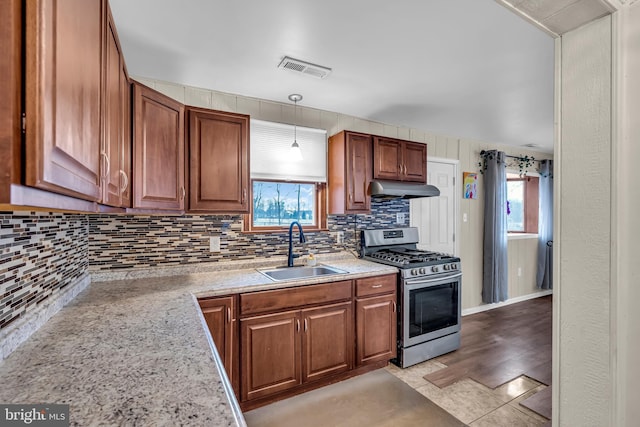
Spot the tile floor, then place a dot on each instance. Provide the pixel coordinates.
(473, 403)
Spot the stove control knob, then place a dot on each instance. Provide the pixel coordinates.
(434, 269)
(446, 266)
(422, 270)
(454, 266)
(414, 272)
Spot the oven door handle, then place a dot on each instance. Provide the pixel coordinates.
(421, 281)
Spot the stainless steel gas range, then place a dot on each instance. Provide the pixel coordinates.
(429, 293)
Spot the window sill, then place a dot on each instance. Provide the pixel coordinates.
(518, 236)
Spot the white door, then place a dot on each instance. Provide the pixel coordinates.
(435, 217)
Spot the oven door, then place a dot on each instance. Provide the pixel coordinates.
(430, 308)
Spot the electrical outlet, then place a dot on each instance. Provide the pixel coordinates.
(400, 218)
(519, 271)
(214, 244)
(464, 217)
(339, 237)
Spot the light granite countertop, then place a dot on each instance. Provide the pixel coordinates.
(135, 351)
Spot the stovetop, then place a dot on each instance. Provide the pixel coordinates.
(398, 247)
(408, 257)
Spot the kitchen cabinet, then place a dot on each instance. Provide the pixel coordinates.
(218, 161)
(11, 95)
(158, 150)
(350, 172)
(116, 144)
(307, 336)
(398, 160)
(376, 319)
(220, 315)
(63, 82)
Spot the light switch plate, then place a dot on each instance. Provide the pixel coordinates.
(400, 218)
(214, 244)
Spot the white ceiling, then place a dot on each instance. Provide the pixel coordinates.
(464, 68)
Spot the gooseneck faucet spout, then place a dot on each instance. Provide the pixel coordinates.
(302, 240)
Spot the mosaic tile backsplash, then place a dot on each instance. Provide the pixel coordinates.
(40, 255)
(127, 241)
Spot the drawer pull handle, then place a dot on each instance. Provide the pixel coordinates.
(376, 286)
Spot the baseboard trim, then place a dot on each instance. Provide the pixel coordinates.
(20, 331)
(486, 307)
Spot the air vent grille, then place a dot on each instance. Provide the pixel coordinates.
(304, 67)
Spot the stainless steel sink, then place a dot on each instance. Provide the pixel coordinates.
(298, 273)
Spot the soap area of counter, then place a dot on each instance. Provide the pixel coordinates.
(132, 348)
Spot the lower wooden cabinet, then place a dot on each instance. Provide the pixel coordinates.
(220, 315)
(270, 357)
(327, 341)
(281, 351)
(295, 339)
(376, 319)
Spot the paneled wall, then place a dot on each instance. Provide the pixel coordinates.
(449, 147)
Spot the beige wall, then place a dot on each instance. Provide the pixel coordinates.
(466, 151)
(626, 330)
(583, 159)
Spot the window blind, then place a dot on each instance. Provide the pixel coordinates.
(271, 152)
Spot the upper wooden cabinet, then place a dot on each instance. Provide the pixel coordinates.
(158, 150)
(398, 160)
(350, 161)
(63, 81)
(218, 161)
(116, 144)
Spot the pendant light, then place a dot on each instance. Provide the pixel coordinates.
(295, 152)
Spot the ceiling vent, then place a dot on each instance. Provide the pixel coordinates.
(304, 67)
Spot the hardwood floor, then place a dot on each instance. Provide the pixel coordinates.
(502, 344)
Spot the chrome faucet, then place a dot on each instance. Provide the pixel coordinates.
(302, 240)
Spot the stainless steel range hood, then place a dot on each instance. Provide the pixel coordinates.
(401, 190)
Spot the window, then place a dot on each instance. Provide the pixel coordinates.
(283, 188)
(522, 204)
(277, 203)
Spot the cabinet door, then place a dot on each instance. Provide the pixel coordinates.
(358, 172)
(219, 161)
(376, 325)
(63, 84)
(387, 158)
(113, 142)
(158, 150)
(327, 341)
(415, 162)
(125, 160)
(270, 354)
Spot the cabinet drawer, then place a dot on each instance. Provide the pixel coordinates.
(286, 299)
(376, 285)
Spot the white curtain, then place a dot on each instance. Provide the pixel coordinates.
(494, 280)
(545, 227)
